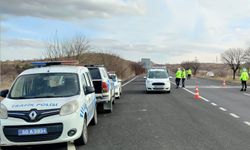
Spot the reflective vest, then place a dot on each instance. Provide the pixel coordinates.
(183, 74)
(189, 72)
(244, 76)
(178, 74)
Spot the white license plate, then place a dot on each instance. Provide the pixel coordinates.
(33, 131)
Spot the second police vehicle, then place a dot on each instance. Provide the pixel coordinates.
(49, 104)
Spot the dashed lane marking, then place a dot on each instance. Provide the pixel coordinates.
(247, 94)
(214, 104)
(129, 81)
(234, 115)
(247, 123)
(223, 109)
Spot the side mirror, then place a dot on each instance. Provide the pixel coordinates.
(170, 77)
(4, 93)
(144, 77)
(89, 90)
(119, 80)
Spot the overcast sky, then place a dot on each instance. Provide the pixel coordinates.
(167, 31)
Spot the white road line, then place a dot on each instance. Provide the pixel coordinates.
(247, 123)
(223, 109)
(214, 104)
(205, 99)
(247, 94)
(215, 87)
(234, 115)
(129, 81)
(70, 146)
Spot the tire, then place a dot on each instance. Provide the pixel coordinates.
(168, 92)
(84, 136)
(113, 102)
(94, 119)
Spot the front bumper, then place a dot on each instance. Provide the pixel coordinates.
(57, 127)
(151, 87)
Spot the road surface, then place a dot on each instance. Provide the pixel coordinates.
(174, 121)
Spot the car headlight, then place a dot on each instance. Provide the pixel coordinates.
(69, 108)
(148, 82)
(3, 112)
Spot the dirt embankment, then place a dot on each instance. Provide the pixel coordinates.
(125, 69)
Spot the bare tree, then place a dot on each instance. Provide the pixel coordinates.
(194, 65)
(58, 48)
(234, 57)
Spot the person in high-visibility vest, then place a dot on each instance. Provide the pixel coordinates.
(244, 77)
(183, 77)
(189, 73)
(178, 77)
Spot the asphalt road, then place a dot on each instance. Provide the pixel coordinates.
(226, 96)
(161, 121)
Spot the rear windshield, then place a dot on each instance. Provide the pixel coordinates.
(158, 74)
(95, 73)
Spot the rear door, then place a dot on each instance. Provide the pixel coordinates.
(96, 79)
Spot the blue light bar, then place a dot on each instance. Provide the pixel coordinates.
(44, 64)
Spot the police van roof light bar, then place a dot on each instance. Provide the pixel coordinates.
(52, 63)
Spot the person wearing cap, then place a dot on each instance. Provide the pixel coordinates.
(183, 77)
(178, 77)
(244, 77)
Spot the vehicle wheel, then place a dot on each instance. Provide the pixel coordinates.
(5, 148)
(113, 102)
(119, 96)
(84, 137)
(168, 91)
(94, 119)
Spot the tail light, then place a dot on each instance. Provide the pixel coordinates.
(105, 87)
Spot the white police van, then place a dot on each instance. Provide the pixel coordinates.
(49, 104)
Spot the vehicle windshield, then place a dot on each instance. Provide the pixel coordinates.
(45, 85)
(157, 74)
(95, 73)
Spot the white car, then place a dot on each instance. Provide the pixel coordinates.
(50, 104)
(158, 80)
(118, 85)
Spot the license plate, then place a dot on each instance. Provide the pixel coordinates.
(34, 131)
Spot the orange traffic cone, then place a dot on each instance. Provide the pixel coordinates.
(224, 83)
(197, 95)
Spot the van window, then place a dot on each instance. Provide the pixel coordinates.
(95, 73)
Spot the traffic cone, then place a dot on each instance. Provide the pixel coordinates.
(224, 83)
(196, 95)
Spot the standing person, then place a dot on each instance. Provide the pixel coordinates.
(178, 77)
(183, 77)
(244, 77)
(189, 72)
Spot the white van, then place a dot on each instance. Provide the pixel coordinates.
(158, 80)
(50, 104)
